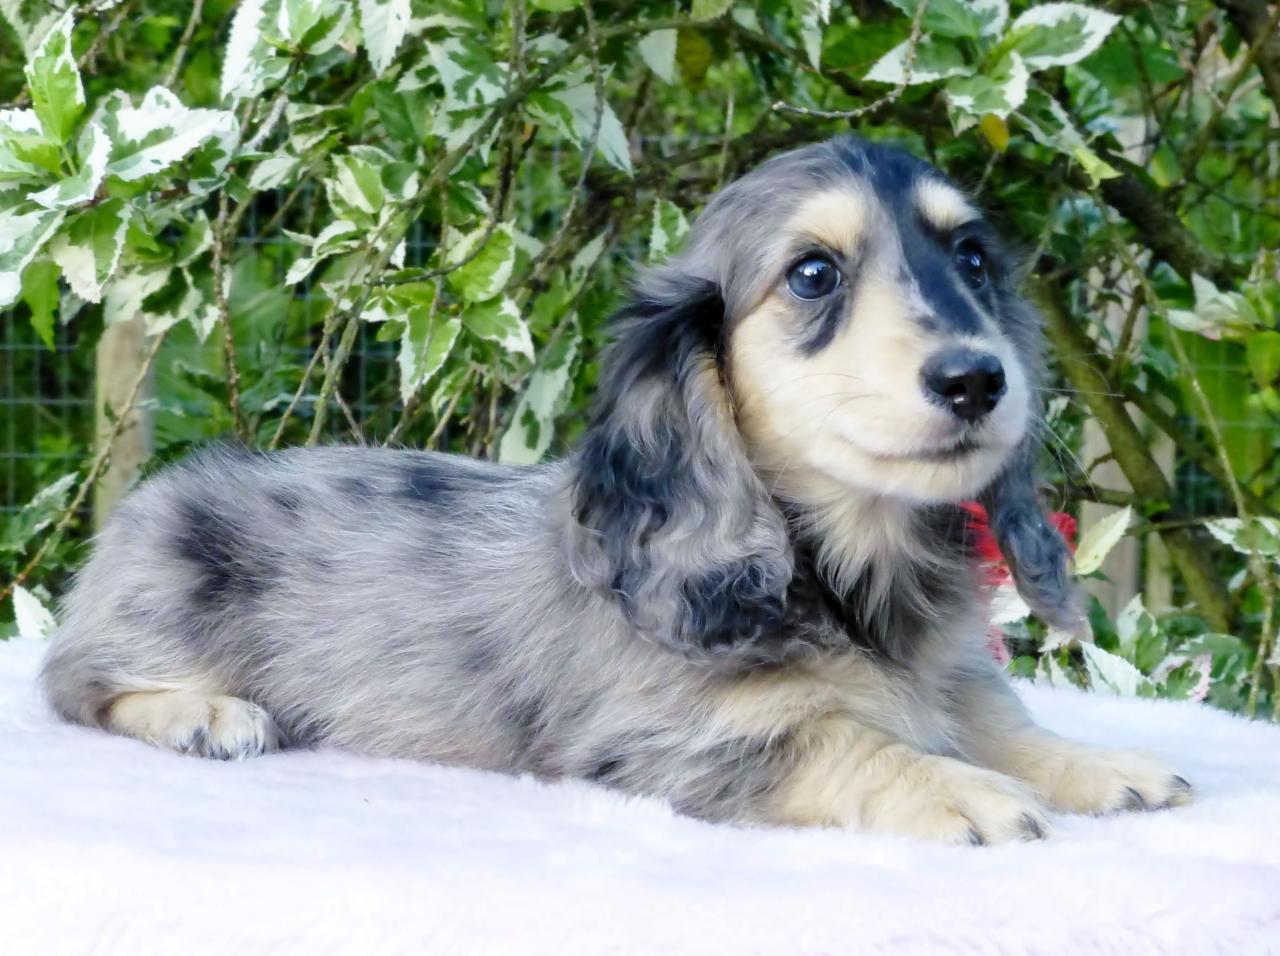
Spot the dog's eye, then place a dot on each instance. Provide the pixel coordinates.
(813, 277)
(972, 263)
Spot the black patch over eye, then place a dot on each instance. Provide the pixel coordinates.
(971, 261)
(813, 277)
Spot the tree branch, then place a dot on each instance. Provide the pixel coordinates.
(1078, 356)
(1252, 19)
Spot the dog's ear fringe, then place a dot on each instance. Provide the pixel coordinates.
(671, 518)
(1035, 551)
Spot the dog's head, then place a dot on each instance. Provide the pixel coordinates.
(873, 337)
(841, 322)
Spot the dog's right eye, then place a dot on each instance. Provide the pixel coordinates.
(813, 277)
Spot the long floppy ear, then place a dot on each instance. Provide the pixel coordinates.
(1033, 548)
(671, 518)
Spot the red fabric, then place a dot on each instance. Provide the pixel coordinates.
(994, 569)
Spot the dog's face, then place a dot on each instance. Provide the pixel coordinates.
(872, 335)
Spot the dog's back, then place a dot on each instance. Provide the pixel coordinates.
(316, 582)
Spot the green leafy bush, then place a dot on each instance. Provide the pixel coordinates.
(431, 205)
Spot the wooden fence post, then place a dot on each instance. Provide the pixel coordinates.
(120, 357)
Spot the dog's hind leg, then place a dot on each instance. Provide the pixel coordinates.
(194, 722)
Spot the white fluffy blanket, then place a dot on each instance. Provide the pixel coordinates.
(109, 846)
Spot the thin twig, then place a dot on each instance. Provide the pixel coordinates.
(333, 367)
(352, 424)
(1120, 356)
(269, 123)
(224, 316)
(730, 67)
(193, 21)
(447, 414)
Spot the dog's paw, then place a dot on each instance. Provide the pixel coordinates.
(1093, 780)
(945, 800)
(205, 725)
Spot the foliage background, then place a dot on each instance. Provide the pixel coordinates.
(405, 221)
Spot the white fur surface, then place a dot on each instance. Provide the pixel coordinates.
(110, 846)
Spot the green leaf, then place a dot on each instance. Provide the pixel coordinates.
(667, 231)
(383, 25)
(83, 185)
(1141, 642)
(313, 26)
(341, 235)
(658, 50)
(812, 16)
(488, 273)
(533, 422)
(25, 154)
(1217, 314)
(89, 249)
(40, 293)
(572, 109)
(1059, 34)
(498, 320)
(959, 18)
(356, 185)
(1098, 540)
(997, 93)
(248, 64)
(1113, 674)
(934, 60)
(1262, 350)
(424, 346)
(48, 503)
(709, 9)
(154, 136)
(1049, 673)
(467, 70)
(125, 294)
(33, 618)
(556, 6)
(396, 115)
(1258, 534)
(1217, 646)
(274, 172)
(57, 95)
(22, 236)
(693, 55)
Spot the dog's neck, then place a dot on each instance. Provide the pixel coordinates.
(886, 569)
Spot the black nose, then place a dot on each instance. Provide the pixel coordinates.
(969, 383)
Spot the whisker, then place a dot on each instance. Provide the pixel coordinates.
(791, 457)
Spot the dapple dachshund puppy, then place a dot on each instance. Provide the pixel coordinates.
(747, 591)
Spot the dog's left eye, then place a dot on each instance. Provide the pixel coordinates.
(813, 278)
(972, 263)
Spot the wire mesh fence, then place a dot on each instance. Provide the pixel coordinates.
(46, 408)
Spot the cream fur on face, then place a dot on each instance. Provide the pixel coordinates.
(855, 410)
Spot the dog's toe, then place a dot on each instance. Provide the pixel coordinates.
(1097, 781)
(953, 802)
(189, 722)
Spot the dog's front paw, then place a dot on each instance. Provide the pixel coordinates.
(941, 799)
(1082, 779)
(191, 722)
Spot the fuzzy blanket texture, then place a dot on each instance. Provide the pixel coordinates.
(110, 846)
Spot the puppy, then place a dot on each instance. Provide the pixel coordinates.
(748, 591)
